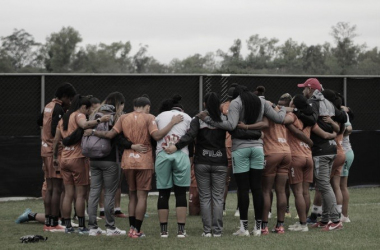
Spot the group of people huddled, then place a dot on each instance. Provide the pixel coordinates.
(265, 145)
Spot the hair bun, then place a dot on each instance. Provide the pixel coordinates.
(145, 95)
(176, 98)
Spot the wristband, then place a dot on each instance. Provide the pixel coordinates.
(98, 120)
(93, 132)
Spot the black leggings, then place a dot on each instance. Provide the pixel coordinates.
(245, 181)
(164, 195)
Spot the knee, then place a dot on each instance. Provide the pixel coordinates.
(180, 196)
(163, 199)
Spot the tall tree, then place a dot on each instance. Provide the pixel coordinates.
(262, 52)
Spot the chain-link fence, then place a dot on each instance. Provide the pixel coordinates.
(24, 95)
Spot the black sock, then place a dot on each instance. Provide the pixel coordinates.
(132, 221)
(138, 225)
(47, 220)
(258, 224)
(245, 224)
(224, 206)
(32, 216)
(287, 209)
(279, 223)
(62, 221)
(164, 227)
(264, 224)
(54, 221)
(302, 223)
(181, 227)
(81, 221)
(67, 223)
(313, 216)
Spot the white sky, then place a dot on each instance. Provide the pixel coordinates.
(179, 28)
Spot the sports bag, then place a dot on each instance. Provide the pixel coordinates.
(96, 147)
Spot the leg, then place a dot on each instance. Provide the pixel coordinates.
(242, 181)
(218, 177)
(306, 196)
(56, 200)
(181, 208)
(67, 201)
(111, 176)
(345, 195)
(267, 191)
(140, 208)
(203, 176)
(80, 204)
(335, 183)
(47, 200)
(299, 201)
(96, 188)
(281, 197)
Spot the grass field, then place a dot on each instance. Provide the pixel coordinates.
(362, 233)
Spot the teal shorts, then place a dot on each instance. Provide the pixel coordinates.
(172, 169)
(244, 159)
(347, 163)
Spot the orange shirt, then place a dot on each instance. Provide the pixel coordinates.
(224, 108)
(338, 140)
(73, 151)
(275, 139)
(46, 136)
(298, 147)
(137, 127)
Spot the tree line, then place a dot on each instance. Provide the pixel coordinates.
(20, 53)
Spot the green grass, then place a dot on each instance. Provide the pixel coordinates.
(362, 233)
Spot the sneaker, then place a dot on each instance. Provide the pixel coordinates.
(297, 227)
(294, 225)
(344, 219)
(319, 224)
(237, 213)
(58, 228)
(207, 235)
(217, 235)
(288, 215)
(102, 215)
(116, 232)
(23, 217)
(181, 234)
(265, 231)
(73, 224)
(96, 232)
(75, 217)
(130, 232)
(146, 215)
(279, 230)
(83, 230)
(241, 233)
(310, 221)
(224, 213)
(164, 234)
(333, 226)
(47, 228)
(69, 230)
(297, 217)
(120, 214)
(269, 215)
(137, 235)
(256, 232)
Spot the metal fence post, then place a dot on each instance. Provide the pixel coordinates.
(345, 90)
(42, 92)
(200, 93)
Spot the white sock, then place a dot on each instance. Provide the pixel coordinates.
(117, 208)
(339, 208)
(101, 209)
(242, 223)
(317, 209)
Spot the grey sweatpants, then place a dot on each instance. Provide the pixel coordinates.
(105, 173)
(322, 172)
(211, 181)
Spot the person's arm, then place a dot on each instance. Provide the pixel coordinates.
(348, 130)
(159, 134)
(57, 138)
(187, 138)
(311, 118)
(321, 133)
(258, 125)
(246, 134)
(277, 117)
(56, 116)
(101, 134)
(299, 134)
(84, 124)
(340, 116)
(330, 121)
(289, 119)
(123, 143)
(232, 117)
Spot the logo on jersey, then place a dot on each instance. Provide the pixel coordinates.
(69, 148)
(212, 153)
(48, 110)
(332, 142)
(133, 155)
(304, 145)
(281, 140)
(292, 172)
(44, 144)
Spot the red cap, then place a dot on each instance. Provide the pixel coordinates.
(312, 83)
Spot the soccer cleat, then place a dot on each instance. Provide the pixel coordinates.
(73, 224)
(241, 233)
(297, 217)
(181, 234)
(23, 217)
(288, 215)
(269, 215)
(256, 232)
(120, 214)
(83, 230)
(310, 221)
(344, 219)
(237, 213)
(207, 235)
(116, 232)
(278, 230)
(136, 235)
(217, 235)
(164, 234)
(333, 226)
(69, 230)
(58, 229)
(96, 232)
(130, 232)
(47, 228)
(319, 224)
(297, 227)
(265, 231)
(224, 213)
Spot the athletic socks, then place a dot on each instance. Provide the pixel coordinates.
(164, 227)
(181, 227)
(32, 216)
(264, 224)
(316, 210)
(243, 225)
(81, 221)
(117, 209)
(224, 206)
(132, 221)
(47, 220)
(280, 224)
(54, 221)
(67, 223)
(138, 225)
(287, 209)
(258, 224)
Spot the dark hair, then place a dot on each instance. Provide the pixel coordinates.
(65, 89)
(169, 104)
(286, 98)
(230, 91)
(260, 90)
(141, 102)
(251, 103)
(332, 96)
(115, 98)
(94, 100)
(212, 102)
(300, 102)
(76, 103)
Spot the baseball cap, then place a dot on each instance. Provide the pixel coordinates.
(312, 83)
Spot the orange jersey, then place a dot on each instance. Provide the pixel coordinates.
(224, 108)
(275, 139)
(46, 135)
(299, 148)
(73, 151)
(137, 127)
(338, 140)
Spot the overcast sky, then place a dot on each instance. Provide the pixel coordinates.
(179, 28)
